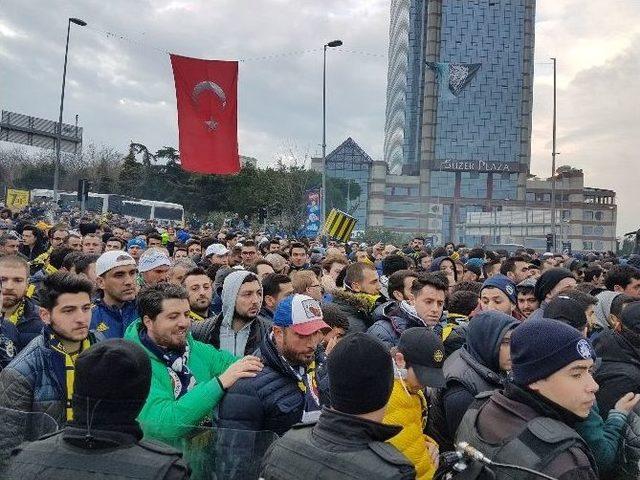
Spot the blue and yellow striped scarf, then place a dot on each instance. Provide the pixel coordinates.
(69, 367)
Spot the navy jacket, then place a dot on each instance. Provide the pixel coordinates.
(35, 380)
(30, 325)
(110, 321)
(271, 400)
(9, 346)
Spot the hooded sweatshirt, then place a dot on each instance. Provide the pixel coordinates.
(230, 340)
(603, 308)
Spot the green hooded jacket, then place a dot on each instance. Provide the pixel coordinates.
(166, 418)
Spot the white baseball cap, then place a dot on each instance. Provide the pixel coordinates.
(153, 259)
(300, 312)
(112, 259)
(216, 249)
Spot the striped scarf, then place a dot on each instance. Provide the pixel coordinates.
(15, 316)
(69, 367)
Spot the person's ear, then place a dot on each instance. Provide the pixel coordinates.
(278, 333)
(146, 320)
(397, 295)
(399, 359)
(45, 316)
(536, 386)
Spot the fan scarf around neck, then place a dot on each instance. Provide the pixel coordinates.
(176, 363)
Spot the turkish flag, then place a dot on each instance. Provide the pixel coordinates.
(207, 98)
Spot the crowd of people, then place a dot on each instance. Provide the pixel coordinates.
(362, 361)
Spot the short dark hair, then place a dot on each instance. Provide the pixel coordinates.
(509, 264)
(154, 235)
(59, 283)
(58, 255)
(393, 263)
(251, 277)
(334, 317)
(592, 271)
(525, 289)
(355, 273)
(468, 286)
(271, 283)
(81, 263)
(121, 241)
(621, 275)
(194, 272)
(298, 245)
(248, 243)
(57, 228)
(436, 280)
(254, 266)
(396, 281)
(584, 299)
(462, 302)
(151, 297)
(619, 302)
(70, 259)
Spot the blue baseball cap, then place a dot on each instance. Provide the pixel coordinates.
(137, 242)
(300, 312)
(503, 283)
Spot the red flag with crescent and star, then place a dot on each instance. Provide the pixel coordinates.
(207, 98)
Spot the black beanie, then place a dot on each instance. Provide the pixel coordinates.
(630, 316)
(360, 375)
(112, 378)
(539, 348)
(566, 310)
(548, 280)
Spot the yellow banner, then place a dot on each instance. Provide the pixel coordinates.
(17, 199)
(339, 225)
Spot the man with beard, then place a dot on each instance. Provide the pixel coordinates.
(188, 378)
(16, 307)
(8, 338)
(9, 244)
(40, 378)
(200, 291)
(285, 392)
(236, 329)
(116, 278)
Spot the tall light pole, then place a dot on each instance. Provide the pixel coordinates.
(56, 171)
(332, 44)
(553, 162)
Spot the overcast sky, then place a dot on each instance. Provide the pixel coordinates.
(122, 88)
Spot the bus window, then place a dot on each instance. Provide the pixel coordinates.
(168, 213)
(136, 210)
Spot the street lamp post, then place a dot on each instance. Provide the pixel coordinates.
(56, 172)
(332, 44)
(553, 162)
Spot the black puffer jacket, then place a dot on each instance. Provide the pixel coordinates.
(356, 310)
(469, 371)
(271, 400)
(619, 372)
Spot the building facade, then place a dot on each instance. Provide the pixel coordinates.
(350, 162)
(474, 102)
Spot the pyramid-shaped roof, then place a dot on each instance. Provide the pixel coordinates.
(349, 148)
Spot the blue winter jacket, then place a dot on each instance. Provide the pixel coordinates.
(29, 325)
(34, 381)
(111, 321)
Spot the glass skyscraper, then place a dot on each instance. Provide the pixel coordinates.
(462, 125)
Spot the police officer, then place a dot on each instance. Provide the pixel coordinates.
(348, 442)
(530, 423)
(112, 380)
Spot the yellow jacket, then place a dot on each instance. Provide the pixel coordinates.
(410, 411)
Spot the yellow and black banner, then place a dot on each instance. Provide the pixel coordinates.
(339, 225)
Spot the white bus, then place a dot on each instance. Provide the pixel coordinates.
(119, 204)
